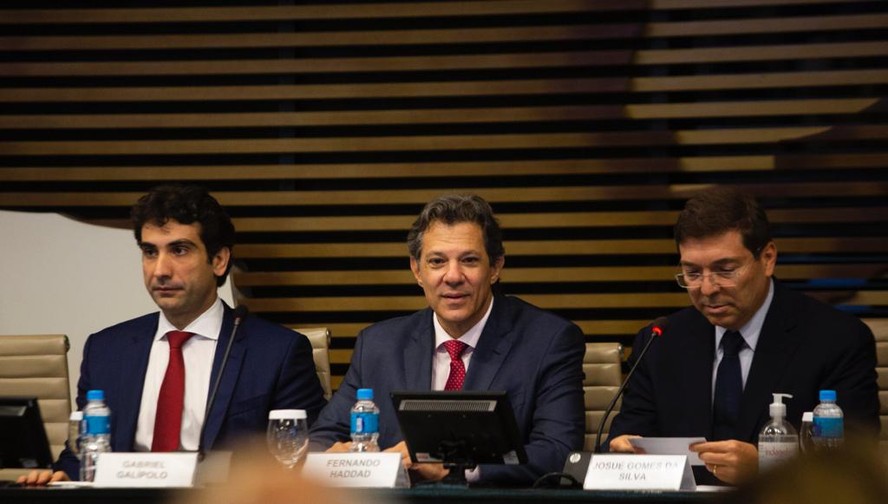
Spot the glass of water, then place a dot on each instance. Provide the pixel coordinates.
(75, 430)
(287, 436)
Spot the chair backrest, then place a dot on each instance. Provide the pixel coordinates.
(602, 366)
(37, 366)
(320, 344)
(880, 331)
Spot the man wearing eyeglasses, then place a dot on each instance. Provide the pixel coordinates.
(747, 336)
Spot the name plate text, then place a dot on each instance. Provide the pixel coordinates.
(134, 470)
(356, 470)
(639, 472)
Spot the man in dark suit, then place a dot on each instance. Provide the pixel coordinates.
(536, 357)
(786, 342)
(186, 240)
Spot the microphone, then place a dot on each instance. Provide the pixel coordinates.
(657, 329)
(240, 313)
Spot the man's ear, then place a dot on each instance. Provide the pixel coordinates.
(220, 261)
(414, 267)
(496, 269)
(769, 256)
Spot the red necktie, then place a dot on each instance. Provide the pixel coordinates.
(457, 369)
(168, 421)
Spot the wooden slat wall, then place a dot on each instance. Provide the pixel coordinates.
(324, 127)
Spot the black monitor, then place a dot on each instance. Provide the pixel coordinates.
(23, 442)
(459, 429)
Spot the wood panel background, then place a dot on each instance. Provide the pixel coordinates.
(323, 128)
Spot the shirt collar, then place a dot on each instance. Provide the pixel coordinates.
(207, 325)
(471, 336)
(752, 329)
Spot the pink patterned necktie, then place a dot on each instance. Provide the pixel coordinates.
(171, 400)
(457, 369)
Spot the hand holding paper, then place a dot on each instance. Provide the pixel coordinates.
(668, 446)
(731, 461)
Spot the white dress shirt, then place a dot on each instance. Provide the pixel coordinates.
(198, 353)
(750, 333)
(441, 361)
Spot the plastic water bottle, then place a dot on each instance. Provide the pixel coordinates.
(97, 437)
(829, 423)
(365, 423)
(778, 441)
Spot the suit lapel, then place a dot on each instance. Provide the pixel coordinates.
(418, 354)
(697, 350)
(130, 391)
(232, 371)
(777, 342)
(493, 347)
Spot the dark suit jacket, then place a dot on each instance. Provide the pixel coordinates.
(533, 355)
(270, 367)
(804, 346)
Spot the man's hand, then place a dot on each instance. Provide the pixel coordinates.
(41, 478)
(731, 461)
(339, 447)
(426, 471)
(621, 444)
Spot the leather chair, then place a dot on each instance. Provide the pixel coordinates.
(880, 331)
(602, 365)
(320, 344)
(37, 366)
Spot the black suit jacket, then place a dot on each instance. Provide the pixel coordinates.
(533, 355)
(270, 367)
(804, 346)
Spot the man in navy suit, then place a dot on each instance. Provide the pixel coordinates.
(186, 240)
(786, 342)
(457, 255)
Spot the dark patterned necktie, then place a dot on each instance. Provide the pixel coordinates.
(728, 388)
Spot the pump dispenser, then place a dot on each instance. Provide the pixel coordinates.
(778, 441)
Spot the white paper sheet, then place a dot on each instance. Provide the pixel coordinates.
(669, 446)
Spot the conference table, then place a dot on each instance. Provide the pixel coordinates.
(417, 495)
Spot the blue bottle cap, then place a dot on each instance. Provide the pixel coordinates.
(827, 395)
(365, 394)
(95, 395)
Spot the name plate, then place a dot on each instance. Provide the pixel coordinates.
(639, 472)
(165, 470)
(357, 470)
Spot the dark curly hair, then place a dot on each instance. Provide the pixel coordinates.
(187, 204)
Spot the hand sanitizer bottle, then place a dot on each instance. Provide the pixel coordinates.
(778, 441)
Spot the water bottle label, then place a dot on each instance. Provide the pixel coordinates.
(829, 427)
(98, 424)
(364, 423)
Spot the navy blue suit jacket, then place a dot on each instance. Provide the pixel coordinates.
(533, 355)
(270, 367)
(804, 346)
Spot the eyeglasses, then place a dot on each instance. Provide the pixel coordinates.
(722, 278)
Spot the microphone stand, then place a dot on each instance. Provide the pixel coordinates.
(656, 330)
(239, 314)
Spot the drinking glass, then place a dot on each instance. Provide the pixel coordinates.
(75, 430)
(287, 436)
(806, 433)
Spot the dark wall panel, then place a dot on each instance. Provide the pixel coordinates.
(325, 126)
